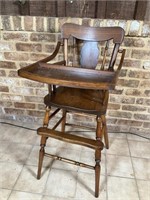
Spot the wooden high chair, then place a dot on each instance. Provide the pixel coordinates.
(80, 84)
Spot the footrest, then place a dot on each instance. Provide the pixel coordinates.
(94, 144)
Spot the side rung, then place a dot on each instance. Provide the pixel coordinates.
(74, 139)
(69, 161)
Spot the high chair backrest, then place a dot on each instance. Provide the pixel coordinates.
(90, 37)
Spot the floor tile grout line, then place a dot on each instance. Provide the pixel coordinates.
(9, 195)
(15, 190)
(17, 180)
(21, 171)
(133, 170)
(43, 193)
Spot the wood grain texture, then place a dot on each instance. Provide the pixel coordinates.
(69, 76)
(93, 33)
(70, 138)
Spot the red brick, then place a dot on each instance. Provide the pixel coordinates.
(2, 73)
(22, 90)
(123, 73)
(82, 117)
(139, 74)
(4, 89)
(112, 106)
(134, 28)
(51, 24)
(5, 46)
(143, 101)
(34, 99)
(133, 108)
(37, 57)
(17, 23)
(6, 103)
(132, 63)
(140, 54)
(129, 122)
(140, 101)
(40, 24)
(28, 119)
(6, 24)
(28, 23)
(9, 81)
(14, 111)
(146, 125)
(7, 65)
(24, 64)
(113, 129)
(15, 36)
(147, 93)
(41, 92)
(16, 56)
(111, 120)
(24, 105)
(50, 48)
(147, 102)
(146, 29)
(47, 37)
(120, 114)
(116, 91)
(133, 42)
(13, 74)
(11, 97)
(128, 83)
(142, 117)
(134, 92)
(28, 47)
(146, 65)
(28, 83)
(41, 107)
(121, 99)
(35, 113)
(145, 84)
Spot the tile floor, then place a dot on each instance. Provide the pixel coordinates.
(125, 171)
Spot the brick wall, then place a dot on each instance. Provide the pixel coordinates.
(24, 40)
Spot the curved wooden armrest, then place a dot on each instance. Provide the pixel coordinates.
(122, 51)
(53, 55)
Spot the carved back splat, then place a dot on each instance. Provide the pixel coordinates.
(89, 55)
(91, 36)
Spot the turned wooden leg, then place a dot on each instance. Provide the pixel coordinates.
(104, 130)
(46, 117)
(97, 171)
(99, 133)
(63, 121)
(98, 156)
(41, 156)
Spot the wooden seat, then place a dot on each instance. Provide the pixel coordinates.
(81, 100)
(79, 83)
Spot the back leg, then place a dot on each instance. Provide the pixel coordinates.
(64, 120)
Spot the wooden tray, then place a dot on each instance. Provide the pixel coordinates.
(69, 76)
